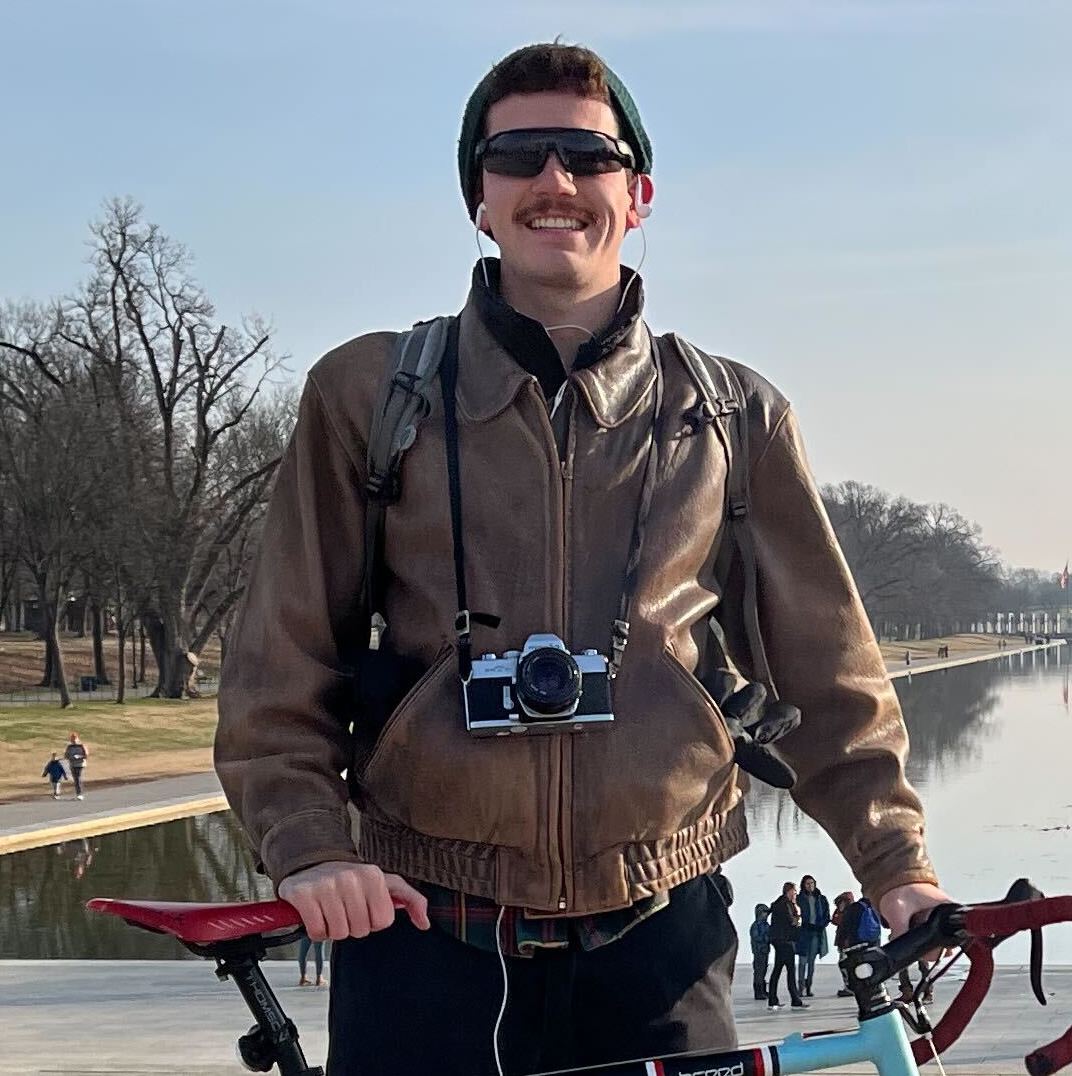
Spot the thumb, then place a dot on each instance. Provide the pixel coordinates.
(413, 903)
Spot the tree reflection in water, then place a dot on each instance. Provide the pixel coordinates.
(948, 717)
(43, 891)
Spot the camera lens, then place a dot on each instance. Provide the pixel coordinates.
(548, 683)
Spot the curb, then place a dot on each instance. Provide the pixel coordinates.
(21, 841)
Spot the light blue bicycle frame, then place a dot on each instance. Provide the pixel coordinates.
(881, 1040)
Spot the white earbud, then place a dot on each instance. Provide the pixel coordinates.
(643, 192)
(481, 213)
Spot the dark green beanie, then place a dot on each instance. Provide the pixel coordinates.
(632, 130)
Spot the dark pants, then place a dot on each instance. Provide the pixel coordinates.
(76, 773)
(759, 973)
(785, 955)
(410, 1001)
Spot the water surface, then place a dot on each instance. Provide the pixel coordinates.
(991, 748)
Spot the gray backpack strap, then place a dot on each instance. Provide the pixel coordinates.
(723, 403)
(403, 404)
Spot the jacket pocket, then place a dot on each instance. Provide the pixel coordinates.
(423, 684)
(693, 687)
(429, 774)
(660, 772)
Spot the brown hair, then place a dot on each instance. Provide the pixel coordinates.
(549, 67)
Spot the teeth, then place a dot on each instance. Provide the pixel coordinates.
(557, 222)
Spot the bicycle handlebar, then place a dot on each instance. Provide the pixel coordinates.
(977, 929)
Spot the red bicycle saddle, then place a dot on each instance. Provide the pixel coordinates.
(202, 924)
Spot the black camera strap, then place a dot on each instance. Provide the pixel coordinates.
(465, 618)
(620, 633)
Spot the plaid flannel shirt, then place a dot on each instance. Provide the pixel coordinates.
(472, 920)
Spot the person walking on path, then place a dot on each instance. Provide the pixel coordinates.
(784, 933)
(759, 936)
(77, 755)
(55, 772)
(318, 960)
(812, 944)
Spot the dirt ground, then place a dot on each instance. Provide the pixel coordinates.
(960, 646)
(22, 659)
(143, 739)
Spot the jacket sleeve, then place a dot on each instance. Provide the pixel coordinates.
(850, 748)
(284, 703)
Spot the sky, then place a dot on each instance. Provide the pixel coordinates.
(866, 201)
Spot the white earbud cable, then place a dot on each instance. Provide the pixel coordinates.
(506, 991)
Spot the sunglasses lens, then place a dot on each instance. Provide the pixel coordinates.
(525, 152)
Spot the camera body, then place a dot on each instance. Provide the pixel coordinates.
(541, 688)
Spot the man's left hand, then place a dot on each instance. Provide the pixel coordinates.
(909, 905)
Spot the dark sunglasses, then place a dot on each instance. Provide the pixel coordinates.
(524, 152)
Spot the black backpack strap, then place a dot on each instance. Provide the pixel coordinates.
(724, 405)
(404, 403)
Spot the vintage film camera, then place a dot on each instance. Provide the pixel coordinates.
(541, 688)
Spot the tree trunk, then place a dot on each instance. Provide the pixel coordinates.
(133, 656)
(177, 665)
(53, 641)
(121, 672)
(99, 671)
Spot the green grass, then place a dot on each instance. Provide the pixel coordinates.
(132, 728)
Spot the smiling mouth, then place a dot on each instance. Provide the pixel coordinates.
(561, 224)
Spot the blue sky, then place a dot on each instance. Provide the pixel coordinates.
(867, 201)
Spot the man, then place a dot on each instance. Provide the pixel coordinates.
(589, 860)
(77, 755)
(784, 934)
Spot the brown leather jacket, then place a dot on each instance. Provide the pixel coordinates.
(571, 823)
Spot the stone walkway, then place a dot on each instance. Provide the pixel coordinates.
(150, 1018)
(106, 809)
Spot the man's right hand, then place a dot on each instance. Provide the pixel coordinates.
(350, 900)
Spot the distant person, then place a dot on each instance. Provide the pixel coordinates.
(842, 941)
(784, 932)
(759, 935)
(318, 960)
(55, 772)
(77, 755)
(812, 944)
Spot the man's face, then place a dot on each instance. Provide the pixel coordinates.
(809, 885)
(585, 257)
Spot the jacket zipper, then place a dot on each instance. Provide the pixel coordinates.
(565, 741)
(564, 756)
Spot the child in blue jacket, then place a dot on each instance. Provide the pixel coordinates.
(55, 772)
(759, 935)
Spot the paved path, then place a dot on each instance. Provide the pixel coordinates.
(106, 809)
(897, 667)
(150, 1018)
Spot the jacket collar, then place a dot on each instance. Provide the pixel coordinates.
(500, 349)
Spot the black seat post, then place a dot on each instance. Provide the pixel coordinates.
(274, 1038)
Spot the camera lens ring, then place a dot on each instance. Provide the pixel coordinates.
(548, 683)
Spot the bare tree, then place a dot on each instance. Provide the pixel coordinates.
(186, 389)
(45, 441)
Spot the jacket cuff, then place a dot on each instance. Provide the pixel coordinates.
(305, 839)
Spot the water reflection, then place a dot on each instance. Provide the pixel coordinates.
(989, 749)
(989, 744)
(42, 891)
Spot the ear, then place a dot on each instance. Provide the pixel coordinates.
(641, 191)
